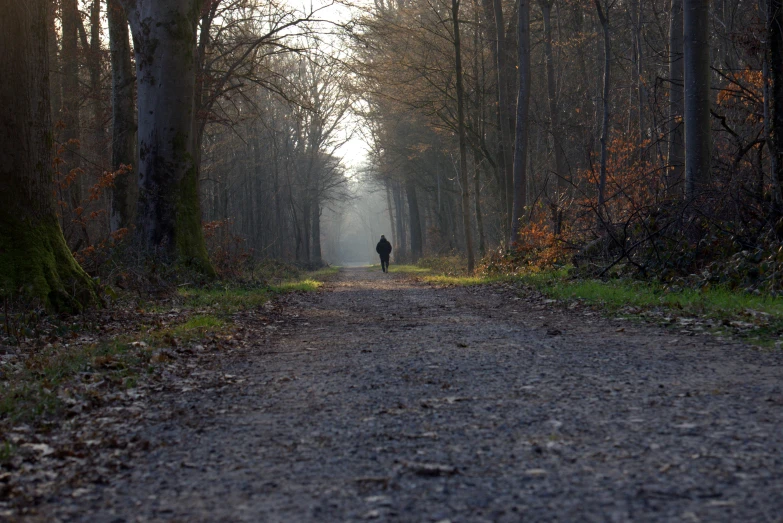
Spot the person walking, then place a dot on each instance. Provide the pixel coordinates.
(384, 249)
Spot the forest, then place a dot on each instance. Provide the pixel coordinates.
(185, 183)
(625, 138)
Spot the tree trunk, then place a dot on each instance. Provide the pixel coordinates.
(33, 253)
(775, 67)
(675, 171)
(94, 66)
(504, 104)
(393, 234)
(604, 18)
(523, 126)
(71, 137)
(463, 146)
(402, 247)
(554, 109)
(482, 247)
(316, 232)
(123, 153)
(55, 85)
(696, 50)
(169, 214)
(415, 220)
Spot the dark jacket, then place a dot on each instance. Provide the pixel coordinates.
(384, 248)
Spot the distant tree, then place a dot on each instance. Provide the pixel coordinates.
(33, 253)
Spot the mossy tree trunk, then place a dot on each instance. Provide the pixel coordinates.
(169, 213)
(33, 255)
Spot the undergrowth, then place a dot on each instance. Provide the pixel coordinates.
(47, 369)
(51, 378)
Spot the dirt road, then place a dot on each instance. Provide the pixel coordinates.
(386, 399)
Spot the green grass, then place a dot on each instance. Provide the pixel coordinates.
(616, 294)
(228, 299)
(404, 269)
(326, 272)
(762, 316)
(463, 281)
(198, 325)
(307, 285)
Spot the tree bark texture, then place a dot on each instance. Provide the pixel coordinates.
(554, 108)
(463, 146)
(55, 86)
(33, 255)
(169, 214)
(70, 113)
(503, 106)
(696, 51)
(125, 193)
(775, 66)
(522, 126)
(603, 15)
(676, 160)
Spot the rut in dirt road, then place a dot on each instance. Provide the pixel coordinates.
(387, 399)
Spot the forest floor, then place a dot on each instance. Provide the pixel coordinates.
(381, 397)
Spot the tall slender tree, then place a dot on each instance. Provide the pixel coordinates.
(675, 172)
(775, 66)
(603, 16)
(33, 255)
(125, 193)
(698, 137)
(463, 147)
(523, 125)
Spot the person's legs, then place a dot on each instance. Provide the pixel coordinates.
(384, 265)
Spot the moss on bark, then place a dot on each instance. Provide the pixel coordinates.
(191, 247)
(36, 262)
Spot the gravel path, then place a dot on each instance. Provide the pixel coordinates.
(387, 399)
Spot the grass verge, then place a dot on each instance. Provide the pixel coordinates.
(719, 310)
